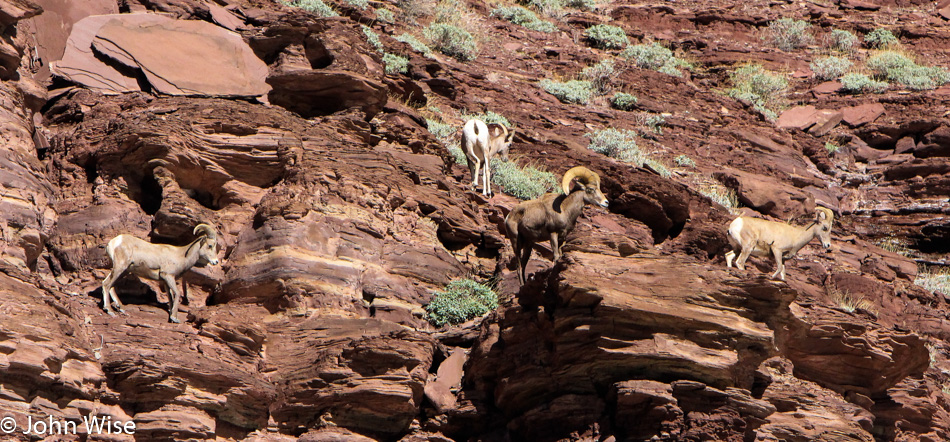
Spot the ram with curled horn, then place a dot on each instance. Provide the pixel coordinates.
(158, 262)
(552, 216)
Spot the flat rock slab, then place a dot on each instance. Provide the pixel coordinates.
(855, 116)
(825, 120)
(828, 87)
(178, 57)
(798, 117)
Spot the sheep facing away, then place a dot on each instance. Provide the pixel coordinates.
(158, 262)
(760, 237)
(552, 216)
(481, 143)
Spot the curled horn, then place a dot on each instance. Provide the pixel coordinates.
(206, 230)
(583, 174)
(828, 212)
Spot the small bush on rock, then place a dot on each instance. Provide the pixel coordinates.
(524, 183)
(624, 101)
(880, 38)
(841, 40)
(316, 7)
(395, 64)
(524, 17)
(655, 57)
(452, 40)
(764, 89)
(607, 36)
(571, 91)
(461, 300)
(789, 34)
(861, 83)
(830, 68)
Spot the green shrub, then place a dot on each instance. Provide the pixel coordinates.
(316, 7)
(658, 167)
(861, 83)
(831, 147)
(624, 101)
(461, 300)
(415, 44)
(548, 8)
(452, 40)
(898, 67)
(584, 5)
(372, 38)
(524, 183)
(655, 57)
(571, 91)
(619, 144)
(606, 36)
(841, 40)
(524, 17)
(441, 130)
(684, 161)
(764, 89)
(720, 194)
(830, 68)
(880, 38)
(385, 15)
(656, 122)
(789, 34)
(395, 64)
(601, 76)
(359, 4)
(488, 117)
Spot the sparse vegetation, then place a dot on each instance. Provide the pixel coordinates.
(316, 7)
(372, 38)
(395, 64)
(860, 83)
(624, 101)
(880, 38)
(830, 68)
(933, 280)
(831, 147)
(415, 44)
(524, 17)
(571, 91)
(524, 183)
(850, 303)
(841, 40)
(385, 15)
(655, 57)
(452, 40)
(658, 167)
(789, 34)
(619, 144)
(655, 122)
(684, 161)
(601, 76)
(461, 300)
(441, 130)
(607, 36)
(896, 245)
(765, 90)
(899, 67)
(719, 194)
(359, 4)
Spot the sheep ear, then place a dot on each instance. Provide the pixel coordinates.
(822, 215)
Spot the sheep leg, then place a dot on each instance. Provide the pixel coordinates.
(109, 291)
(174, 297)
(555, 247)
(730, 255)
(475, 174)
(525, 251)
(779, 265)
(744, 255)
(487, 180)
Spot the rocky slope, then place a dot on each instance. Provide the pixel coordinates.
(340, 214)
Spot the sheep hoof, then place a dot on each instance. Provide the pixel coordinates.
(111, 313)
(174, 319)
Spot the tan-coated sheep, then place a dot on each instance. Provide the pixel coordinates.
(760, 237)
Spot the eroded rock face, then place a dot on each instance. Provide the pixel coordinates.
(340, 214)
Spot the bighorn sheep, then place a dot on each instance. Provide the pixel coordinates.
(481, 142)
(552, 216)
(761, 237)
(159, 262)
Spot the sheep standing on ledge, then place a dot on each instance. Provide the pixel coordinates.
(158, 262)
(761, 237)
(481, 143)
(552, 216)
